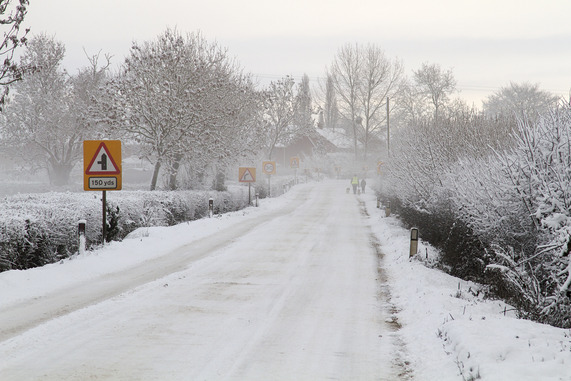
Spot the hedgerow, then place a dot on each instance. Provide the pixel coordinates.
(37, 229)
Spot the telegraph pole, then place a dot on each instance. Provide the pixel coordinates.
(388, 131)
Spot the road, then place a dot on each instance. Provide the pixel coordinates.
(295, 294)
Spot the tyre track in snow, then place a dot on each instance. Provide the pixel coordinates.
(392, 324)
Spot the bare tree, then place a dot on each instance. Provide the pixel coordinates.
(435, 84)
(346, 73)
(330, 112)
(13, 13)
(304, 108)
(382, 79)
(411, 106)
(363, 78)
(280, 113)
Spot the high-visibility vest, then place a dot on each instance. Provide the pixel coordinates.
(355, 180)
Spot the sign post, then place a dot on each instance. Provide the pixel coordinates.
(269, 168)
(294, 163)
(102, 170)
(379, 164)
(247, 175)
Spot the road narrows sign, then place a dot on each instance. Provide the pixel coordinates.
(102, 165)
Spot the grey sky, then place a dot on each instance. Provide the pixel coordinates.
(487, 43)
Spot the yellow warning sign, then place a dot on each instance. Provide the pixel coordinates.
(102, 165)
(247, 174)
(294, 162)
(379, 164)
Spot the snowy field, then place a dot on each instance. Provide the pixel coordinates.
(315, 284)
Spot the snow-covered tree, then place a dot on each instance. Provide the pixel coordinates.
(87, 86)
(523, 101)
(12, 13)
(538, 169)
(182, 98)
(48, 116)
(39, 123)
(281, 114)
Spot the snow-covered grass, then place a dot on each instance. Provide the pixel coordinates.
(448, 330)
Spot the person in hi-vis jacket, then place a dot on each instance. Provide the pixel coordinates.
(355, 183)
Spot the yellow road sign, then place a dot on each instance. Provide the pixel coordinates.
(379, 164)
(247, 174)
(269, 167)
(294, 162)
(102, 165)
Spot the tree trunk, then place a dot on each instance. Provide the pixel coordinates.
(155, 175)
(59, 173)
(174, 171)
(355, 139)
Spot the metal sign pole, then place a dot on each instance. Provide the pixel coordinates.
(104, 202)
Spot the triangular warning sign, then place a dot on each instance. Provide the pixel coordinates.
(102, 163)
(247, 176)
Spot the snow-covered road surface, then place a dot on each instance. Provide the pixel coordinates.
(293, 294)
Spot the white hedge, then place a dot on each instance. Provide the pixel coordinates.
(36, 229)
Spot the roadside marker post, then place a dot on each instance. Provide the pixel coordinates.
(81, 233)
(211, 207)
(413, 242)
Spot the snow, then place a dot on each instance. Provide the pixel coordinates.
(338, 138)
(241, 296)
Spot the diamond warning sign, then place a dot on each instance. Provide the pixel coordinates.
(102, 165)
(247, 174)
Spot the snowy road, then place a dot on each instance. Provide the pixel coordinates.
(295, 293)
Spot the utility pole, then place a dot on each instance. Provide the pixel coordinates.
(388, 131)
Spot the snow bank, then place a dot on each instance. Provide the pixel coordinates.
(450, 330)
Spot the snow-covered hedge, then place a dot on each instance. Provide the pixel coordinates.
(498, 204)
(36, 229)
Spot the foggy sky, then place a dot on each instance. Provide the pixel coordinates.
(487, 43)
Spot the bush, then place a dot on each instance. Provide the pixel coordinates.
(497, 206)
(462, 254)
